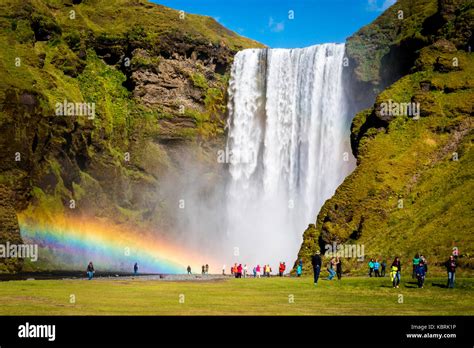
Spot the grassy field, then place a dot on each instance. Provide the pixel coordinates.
(351, 296)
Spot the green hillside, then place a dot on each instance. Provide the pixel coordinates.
(412, 188)
(157, 77)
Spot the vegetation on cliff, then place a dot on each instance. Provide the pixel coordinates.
(411, 190)
(136, 63)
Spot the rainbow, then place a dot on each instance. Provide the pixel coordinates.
(71, 242)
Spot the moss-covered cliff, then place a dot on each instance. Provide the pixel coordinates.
(157, 79)
(412, 188)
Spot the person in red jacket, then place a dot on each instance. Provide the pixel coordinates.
(239, 271)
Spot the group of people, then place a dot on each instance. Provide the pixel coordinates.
(238, 270)
(420, 269)
(377, 268)
(334, 268)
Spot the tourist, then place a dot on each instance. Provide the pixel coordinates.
(223, 269)
(376, 268)
(451, 268)
(416, 261)
(281, 269)
(330, 268)
(316, 263)
(90, 270)
(203, 269)
(396, 272)
(299, 269)
(258, 271)
(420, 274)
(135, 268)
(231, 270)
(207, 268)
(339, 267)
(245, 271)
(254, 272)
(239, 271)
(189, 269)
(383, 266)
(425, 263)
(371, 267)
(455, 252)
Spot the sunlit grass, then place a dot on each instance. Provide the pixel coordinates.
(351, 296)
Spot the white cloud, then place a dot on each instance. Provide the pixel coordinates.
(276, 27)
(378, 5)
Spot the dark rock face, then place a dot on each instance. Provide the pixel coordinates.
(9, 230)
(157, 83)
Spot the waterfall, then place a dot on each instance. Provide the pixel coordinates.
(288, 131)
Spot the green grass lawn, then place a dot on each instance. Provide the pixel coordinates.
(351, 296)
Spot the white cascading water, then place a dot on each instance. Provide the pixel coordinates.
(288, 132)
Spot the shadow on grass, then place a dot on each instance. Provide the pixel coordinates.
(439, 285)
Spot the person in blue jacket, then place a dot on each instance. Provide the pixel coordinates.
(298, 270)
(376, 268)
(420, 274)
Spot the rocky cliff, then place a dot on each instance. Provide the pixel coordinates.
(151, 82)
(411, 189)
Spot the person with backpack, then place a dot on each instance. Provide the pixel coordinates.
(451, 268)
(90, 270)
(316, 263)
(371, 267)
(416, 261)
(420, 274)
(376, 269)
(395, 273)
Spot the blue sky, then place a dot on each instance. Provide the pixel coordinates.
(267, 21)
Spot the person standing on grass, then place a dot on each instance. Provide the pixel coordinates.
(383, 266)
(416, 261)
(371, 267)
(451, 268)
(245, 271)
(330, 268)
(90, 270)
(254, 271)
(239, 271)
(189, 269)
(316, 263)
(425, 263)
(420, 274)
(299, 269)
(376, 268)
(223, 269)
(339, 267)
(207, 268)
(203, 269)
(135, 268)
(396, 272)
(258, 271)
